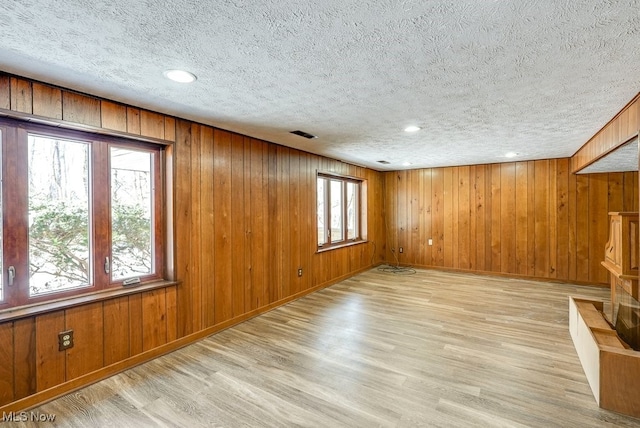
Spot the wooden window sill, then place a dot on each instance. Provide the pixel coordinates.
(11, 314)
(340, 245)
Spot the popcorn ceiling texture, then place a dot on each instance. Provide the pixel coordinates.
(481, 77)
(624, 158)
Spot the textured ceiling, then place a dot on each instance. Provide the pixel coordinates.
(481, 77)
(624, 158)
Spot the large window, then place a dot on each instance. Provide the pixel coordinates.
(338, 208)
(80, 213)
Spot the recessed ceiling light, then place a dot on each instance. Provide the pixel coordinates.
(511, 155)
(180, 76)
(412, 128)
(407, 164)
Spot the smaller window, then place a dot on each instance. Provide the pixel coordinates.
(338, 210)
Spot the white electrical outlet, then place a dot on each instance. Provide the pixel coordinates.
(430, 241)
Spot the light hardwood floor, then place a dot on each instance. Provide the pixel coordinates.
(430, 349)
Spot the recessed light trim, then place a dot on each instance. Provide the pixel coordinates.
(412, 128)
(180, 76)
(510, 155)
(407, 164)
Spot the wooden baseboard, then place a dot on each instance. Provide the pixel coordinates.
(501, 275)
(42, 397)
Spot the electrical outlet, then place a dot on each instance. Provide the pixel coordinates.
(299, 271)
(430, 241)
(401, 250)
(65, 340)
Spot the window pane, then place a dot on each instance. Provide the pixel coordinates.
(336, 211)
(59, 255)
(131, 213)
(352, 232)
(321, 210)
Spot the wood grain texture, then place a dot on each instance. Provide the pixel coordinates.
(154, 319)
(80, 108)
(133, 120)
(87, 353)
(21, 95)
(50, 362)
(431, 349)
(24, 357)
(116, 332)
(533, 218)
(113, 116)
(6, 363)
(617, 131)
(47, 101)
(151, 124)
(5, 92)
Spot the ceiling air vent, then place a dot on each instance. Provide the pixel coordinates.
(384, 162)
(303, 134)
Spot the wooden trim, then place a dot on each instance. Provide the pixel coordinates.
(105, 372)
(63, 124)
(340, 245)
(65, 303)
(505, 275)
(576, 170)
(596, 144)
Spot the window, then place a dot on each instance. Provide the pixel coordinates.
(338, 208)
(85, 214)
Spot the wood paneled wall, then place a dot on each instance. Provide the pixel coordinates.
(533, 218)
(617, 131)
(244, 222)
(104, 333)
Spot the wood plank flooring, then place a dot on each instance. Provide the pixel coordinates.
(430, 349)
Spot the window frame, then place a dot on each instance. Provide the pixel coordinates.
(15, 189)
(359, 205)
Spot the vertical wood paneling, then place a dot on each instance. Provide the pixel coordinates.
(541, 227)
(553, 219)
(197, 278)
(182, 229)
(24, 357)
(135, 324)
(50, 362)
(521, 220)
(258, 213)
(562, 191)
(530, 218)
(154, 319)
(151, 124)
(6, 363)
(448, 223)
(172, 314)
(247, 212)
(582, 228)
(481, 218)
(508, 217)
(21, 95)
(464, 217)
(87, 353)
(80, 109)
(116, 330)
(437, 217)
(5, 92)
(133, 120)
(223, 226)
(113, 116)
(47, 101)
(598, 229)
(207, 226)
(496, 219)
(238, 226)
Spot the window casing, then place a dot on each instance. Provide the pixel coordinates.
(338, 203)
(80, 213)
